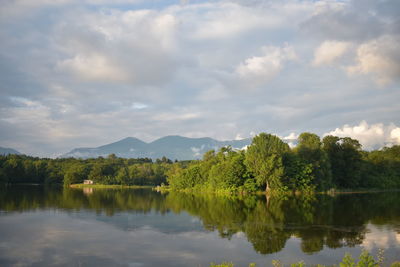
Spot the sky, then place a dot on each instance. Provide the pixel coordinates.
(83, 73)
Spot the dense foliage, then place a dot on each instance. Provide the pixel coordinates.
(111, 170)
(270, 164)
(267, 164)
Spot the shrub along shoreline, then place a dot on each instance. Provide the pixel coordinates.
(364, 260)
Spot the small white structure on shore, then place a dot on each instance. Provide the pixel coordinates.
(87, 181)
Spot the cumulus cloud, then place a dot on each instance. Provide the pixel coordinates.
(380, 58)
(395, 135)
(34, 121)
(329, 51)
(368, 26)
(130, 46)
(290, 139)
(257, 70)
(224, 20)
(154, 68)
(94, 67)
(372, 136)
(340, 20)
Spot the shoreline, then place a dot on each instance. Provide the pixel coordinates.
(113, 186)
(329, 192)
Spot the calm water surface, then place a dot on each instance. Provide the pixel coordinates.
(42, 226)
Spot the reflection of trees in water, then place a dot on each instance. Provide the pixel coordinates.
(25, 198)
(224, 214)
(265, 227)
(267, 223)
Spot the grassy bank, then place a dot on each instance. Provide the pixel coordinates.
(238, 191)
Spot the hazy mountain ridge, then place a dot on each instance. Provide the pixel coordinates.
(7, 151)
(172, 147)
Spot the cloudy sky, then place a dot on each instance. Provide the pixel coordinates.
(79, 73)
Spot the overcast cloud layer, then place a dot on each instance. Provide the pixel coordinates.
(89, 72)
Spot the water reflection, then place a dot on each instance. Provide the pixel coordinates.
(318, 222)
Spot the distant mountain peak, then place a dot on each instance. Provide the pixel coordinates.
(171, 146)
(129, 138)
(7, 151)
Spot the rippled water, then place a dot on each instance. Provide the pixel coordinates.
(42, 226)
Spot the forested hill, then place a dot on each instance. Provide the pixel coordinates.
(172, 147)
(7, 151)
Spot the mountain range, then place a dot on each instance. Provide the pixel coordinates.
(172, 147)
(7, 151)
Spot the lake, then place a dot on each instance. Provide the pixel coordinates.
(44, 226)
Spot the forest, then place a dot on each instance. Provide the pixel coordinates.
(313, 165)
(112, 170)
(268, 164)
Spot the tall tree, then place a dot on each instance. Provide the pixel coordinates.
(264, 160)
(309, 149)
(346, 160)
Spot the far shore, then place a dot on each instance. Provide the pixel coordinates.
(113, 186)
(329, 192)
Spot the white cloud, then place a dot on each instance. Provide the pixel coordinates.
(291, 137)
(94, 67)
(260, 69)
(135, 46)
(197, 151)
(329, 51)
(36, 122)
(372, 136)
(395, 135)
(171, 116)
(224, 20)
(15, 8)
(138, 105)
(239, 137)
(380, 58)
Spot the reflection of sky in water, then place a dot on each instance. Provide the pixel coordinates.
(166, 223)
(83, 238)
(381, 237)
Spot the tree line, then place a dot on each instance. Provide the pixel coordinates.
(270, 164)
(267, 164)
(111, 170)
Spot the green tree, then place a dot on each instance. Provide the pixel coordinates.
(309, 148)
(123, 177)
(264, 160)
(75, 173)
(298, 174)
(229, 173)
(346, 160)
